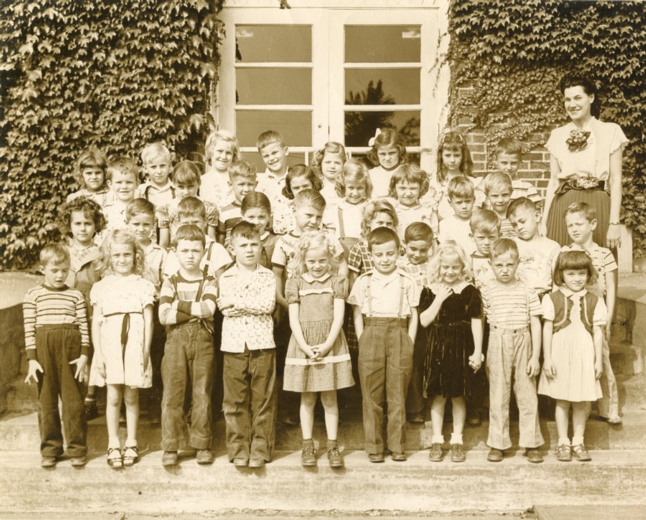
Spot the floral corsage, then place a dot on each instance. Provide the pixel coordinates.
(578, 140)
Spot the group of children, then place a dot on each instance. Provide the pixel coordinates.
(429, 279)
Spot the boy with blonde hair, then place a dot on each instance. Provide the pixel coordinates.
(273, 150)
(242, 179)
(461, 195)
(498, 189)
(157, 166)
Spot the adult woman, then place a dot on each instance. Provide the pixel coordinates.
(586, 159)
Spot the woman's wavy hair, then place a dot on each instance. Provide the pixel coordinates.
(589, 87)
(314, 240)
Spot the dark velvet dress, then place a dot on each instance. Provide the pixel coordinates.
(450, 343)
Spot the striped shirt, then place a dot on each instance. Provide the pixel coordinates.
(525, 189)
(510, 307)
(182, 300)
(43, 305)
(603, 262)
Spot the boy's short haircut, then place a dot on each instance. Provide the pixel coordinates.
(187, 173)
(509, 146)
(497, 181)
(268, 137)
(191, 207)
(410, 173)
(90, 210)
(124, 166)
(353, 171)
(520, 203)
(244, 229)
(244, 169)
(383, 235)
(486, 221)
(55, 253)
(311, 198)
(574, 260)
(91, 157)
(220, 135)
(461, 187)
(581, 207)
(191, 233)
(139, 207)
(369, 212)
(502, 246)
(154, 150)
(418, 231)
(255, 199)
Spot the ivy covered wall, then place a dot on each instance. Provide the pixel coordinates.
(506, 60)
(115, 73)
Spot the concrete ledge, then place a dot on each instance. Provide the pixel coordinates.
(612, 478)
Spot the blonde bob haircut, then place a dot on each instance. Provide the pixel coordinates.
(314, 240)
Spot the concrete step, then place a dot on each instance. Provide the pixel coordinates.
(21, 397)
(612, 478)
(589, 512)
(20, 433)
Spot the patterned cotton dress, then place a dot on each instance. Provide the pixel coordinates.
(573, 354)
(121, 300)
(450, 343)
(316, 314)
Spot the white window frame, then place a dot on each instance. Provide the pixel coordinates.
(327, 19)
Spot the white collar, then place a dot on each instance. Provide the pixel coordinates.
(310, 279)
(386, 278)
(568, 292)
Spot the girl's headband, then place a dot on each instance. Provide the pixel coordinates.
(371, 142)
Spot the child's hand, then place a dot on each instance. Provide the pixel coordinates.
(549, 369)
(321, 350)
(533, 368)
(32, 372)
(81, 363)
(598, 368)
(224, 302)
(475, 362)
(443, 292)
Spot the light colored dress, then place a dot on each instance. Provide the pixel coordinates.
(573, 354)
(121, 300)
(316, 314)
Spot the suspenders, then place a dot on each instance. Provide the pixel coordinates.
(401, 296)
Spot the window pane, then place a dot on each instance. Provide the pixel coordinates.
(382, 43)
(412, 158)
(361, 126)
(255, 159)
(296, 127)
(279, 86)
(382, 86)
(267, 43)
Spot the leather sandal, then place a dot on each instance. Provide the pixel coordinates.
(130, 455)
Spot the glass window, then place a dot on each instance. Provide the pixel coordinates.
(382, 44)
(273, 43)
(273, 86)
(360, 127)
(382, 86)
(295, 126)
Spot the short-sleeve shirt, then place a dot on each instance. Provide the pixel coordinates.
(360, 259)
(594, 160)
(603, 262)
(385, 294)
(537, 262)
(510, 306)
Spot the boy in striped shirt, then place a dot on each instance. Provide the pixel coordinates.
(514, 315)
(58, 346)
(186, 306)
